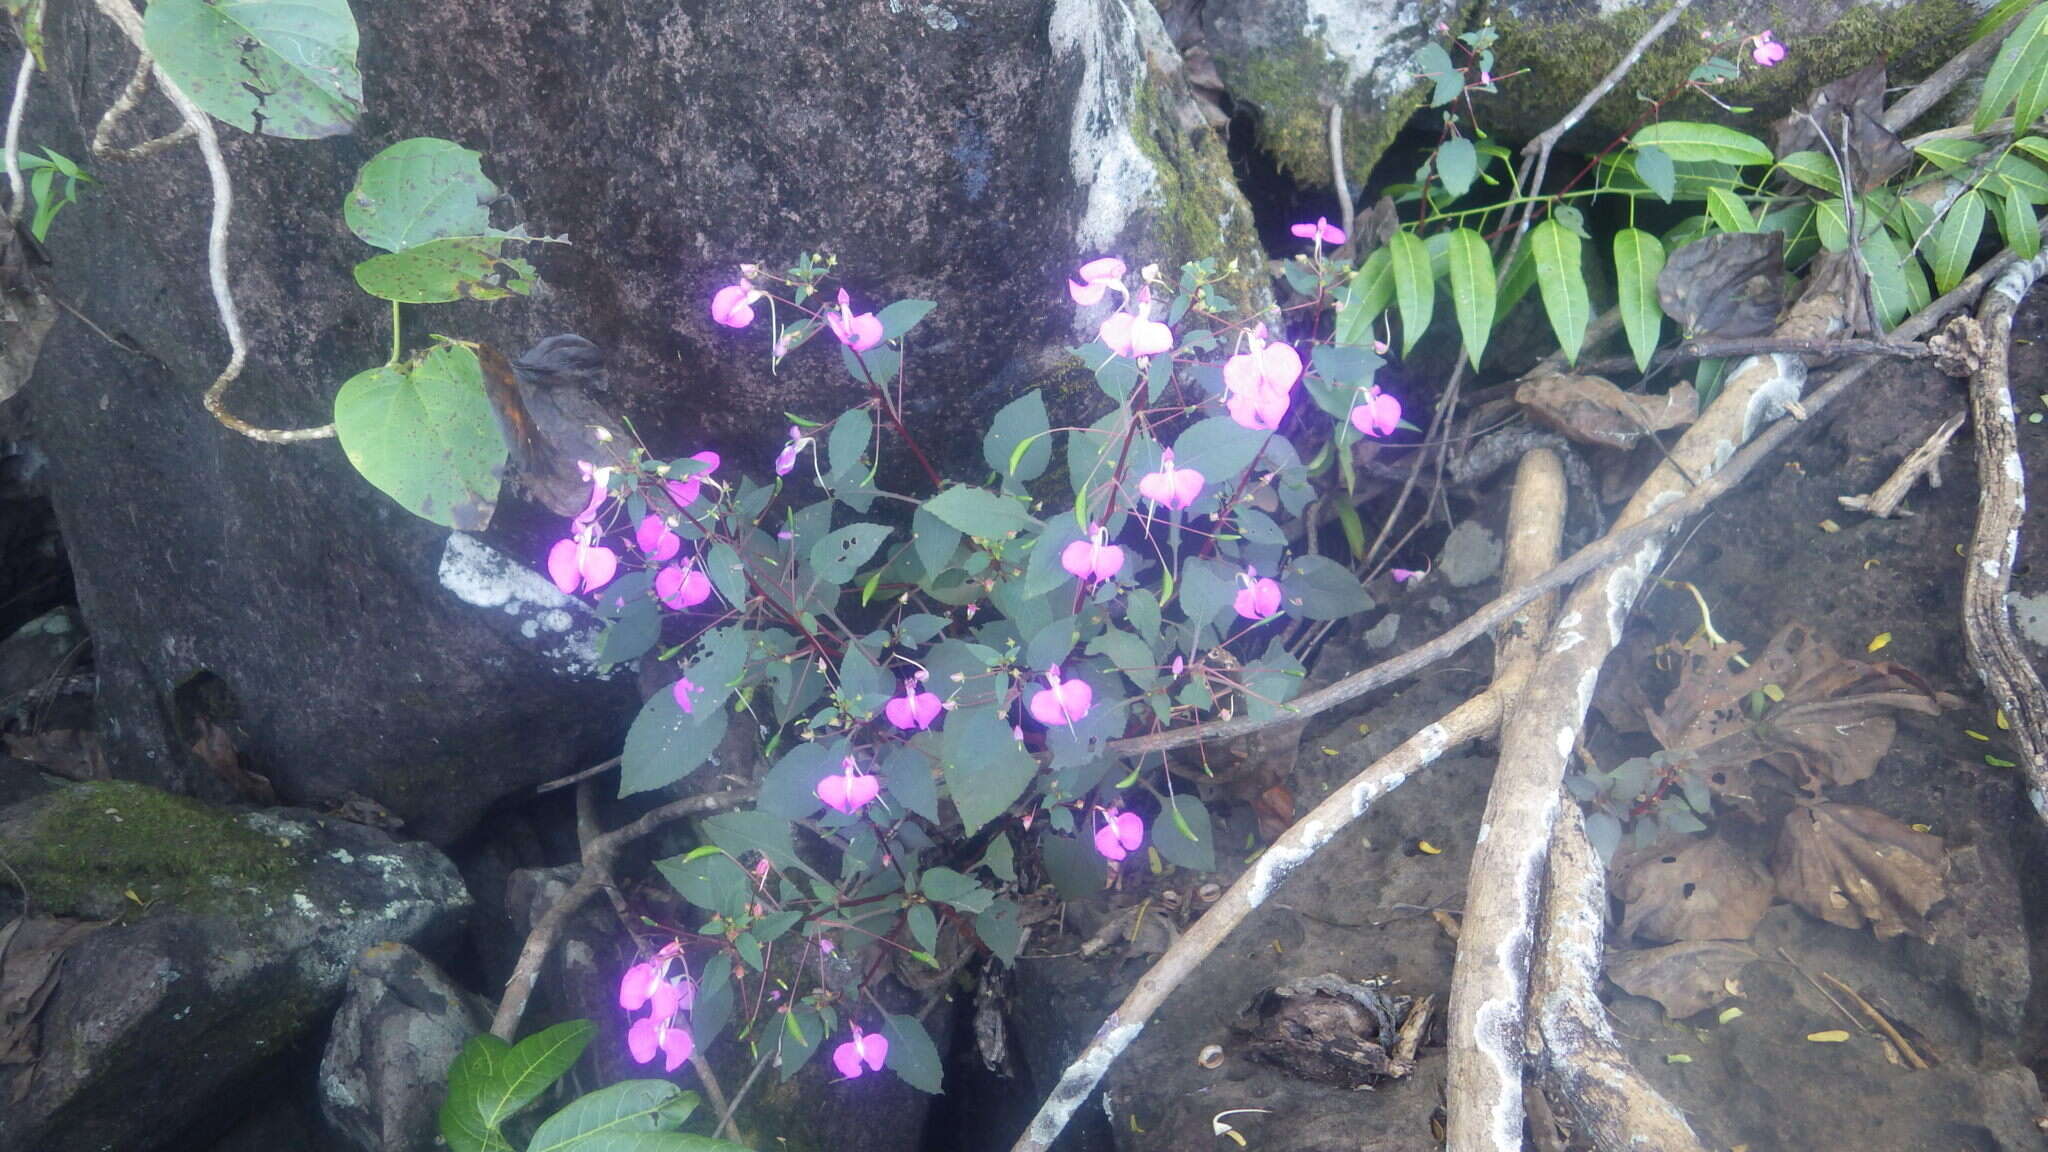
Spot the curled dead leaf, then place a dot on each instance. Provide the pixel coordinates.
(1851, 865)
(1687, 978)
(1594, 410)
(1700, 890)
(1728, 285)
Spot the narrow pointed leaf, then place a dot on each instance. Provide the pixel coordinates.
(1472, 286)
(1562, 281)
(1638, 258)
(1955, 240)
(1413, 288)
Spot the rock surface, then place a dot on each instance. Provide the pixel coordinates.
(967, 154)
(400, 1028)
(231, 941)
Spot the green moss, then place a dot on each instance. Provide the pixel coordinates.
(90, 844)
(1558, 61)
(1289, 91)
(1203, 214)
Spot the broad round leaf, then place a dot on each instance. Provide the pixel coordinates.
(279, 67)
(424, 433)
(446, 270)
(419, 190)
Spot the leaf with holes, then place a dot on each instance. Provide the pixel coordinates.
(279, 67)
(838, 555)
(424, 433)
(1700, 890)
(446, 270)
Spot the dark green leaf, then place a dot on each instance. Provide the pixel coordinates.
(742, 832)
(802, 1032)
(1318, 588)
(906, 772)
(1188, 842)
(912, 1054)
(1472, 284)
(282, 69)
(1218, 447)
(1001, 928)
(419, 190)
(620, 1118)
(1414, 287)
(1457, 163)
(950, 887)
(900, 317)
(1020, 421)
(979, 512)
(847, 443)
(1653, 166)
(986, 769)
(425, 434)
(837, 556)
(1638, 258)
(1813, 168)
(1075, 868)
(1562, 283)
(666, 744)
(711, 880)
(864, 688)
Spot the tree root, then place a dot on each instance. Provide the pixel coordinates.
(1922, 461)
(1994, 548)
(1536, 523)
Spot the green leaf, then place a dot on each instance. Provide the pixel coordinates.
(666, 743)
(1183, 835)
(709, 879)
(2022, 229)
(1813, 168)
(912, 1055)
(596, 1122)
(1948, 155)
(906, 772)
(1688, 142)
(950, 887)
(419, 190)
(753, 831)
(803, 1031)
(933, 540)
(491, 1081)
(899, 318)
(1073, 865)
(1319, 588)
(474, 1075)
(847, 443)
(424, 433)
(1017, 445)
(1955, 240)
(864, 687)
(1434, 64)
(279, 67)
(838, 555)
(2018, 77)
(1218, 447)
(1457, 164)
(446, 270)
(1562, 283)
(1885, 261)
(1368, 295)
(2022, 176)
(789, 790)
(1831, 221)
(924, 927)
(1728, 211)
(1638, 259)
(1413, 287)
(1654, 168)
(1001, 927)
(979, 512)
(986, 769)
(1472, 283)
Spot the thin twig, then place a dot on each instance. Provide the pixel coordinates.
(1337, 178)
(1906, 1050)
(1929, 92)
(125, 17)
(16, 111)
(725, 1120)
(103, 136)
(597, 769)
(1922, 461)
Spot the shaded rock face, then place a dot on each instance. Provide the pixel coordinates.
(399, 1030)
(968, 154)
(160, 1027)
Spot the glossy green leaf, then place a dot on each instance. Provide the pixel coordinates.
(1457, 164)
(1813, 168)
(419, 190)
(424, 433)
(1830, 219)
(1562, 282)
(2018, 78)
(2020, 226)
(1688, 142)
(1728, 212)
(1946, 154)
(1414, 288)
(630, 1116)
(279, 67)
(1017, 445)
(1654, 168)
(491, 1081)
(1472, 289)
(1889, 292)
(1955, 240)
(2022, 176)
(1638, 259)
(1368, 295)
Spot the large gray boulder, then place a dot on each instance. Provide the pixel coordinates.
(968, 154)
(385, 1069)
(229, 941)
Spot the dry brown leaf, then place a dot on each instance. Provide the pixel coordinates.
(1699, 890)
(1688, 977)
(1832, 726)
(1851, 865)
(215, 747)
(30, 949)
(1594, 410)
(73, 753)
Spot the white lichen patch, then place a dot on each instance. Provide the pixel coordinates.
(1375, 43)
(1101, 37)
(564, 630)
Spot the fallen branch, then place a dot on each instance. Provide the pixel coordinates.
(1922, 461)
(1994, 547)
(1820, 351)
(599, 853)
(17, 191)
(129, 21)
(1583, 1067)
(1536, 523)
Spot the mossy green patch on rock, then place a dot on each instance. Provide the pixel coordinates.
(1202, 214)
(86, 846)
(1555, 61)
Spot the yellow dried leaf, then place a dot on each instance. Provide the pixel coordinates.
(1830, 526)
(1732, 986)
(1832, 1036)
(1428, 849)
(130, 893)
(1975, 735)
(1729, 1013)
(1878, 641)
(1776, 694)
(2000, 720)
(1870, 563)
(1922, 827)
(1678, 1058)
(1329, 751)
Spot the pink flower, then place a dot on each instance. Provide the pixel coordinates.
(1120, 835)
(1062, 701)
(1404, 575)
(1134, 334)
(683, 690)
(849, 791)
(1173, 488)
(600, 489)
(1091, 559)
(858, 331)
(657, 543)
(1322, 232)
(1258, 382)
(864, 1051)
(1766, 51)
(1257, 596)
(580, 563)
(650, 1034)
(1097, 277)
(685, 489)
(681, 586)
(786, 459)
(649, 985)
(1377, 414)
(733, 306)
(914, 709)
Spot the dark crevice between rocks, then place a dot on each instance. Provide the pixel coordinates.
(35, 574)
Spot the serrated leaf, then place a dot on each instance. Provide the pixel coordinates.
(1638, 258)
(419, 190)
(425, 434)
(912, 1055)
(1689, 142)
(1183, 835)
(979, 512)
(1457, 164)
(1562, 283)
(1414, 288)
(1472, 290)
(839, 554)
(1955, 240)
(280, 67)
